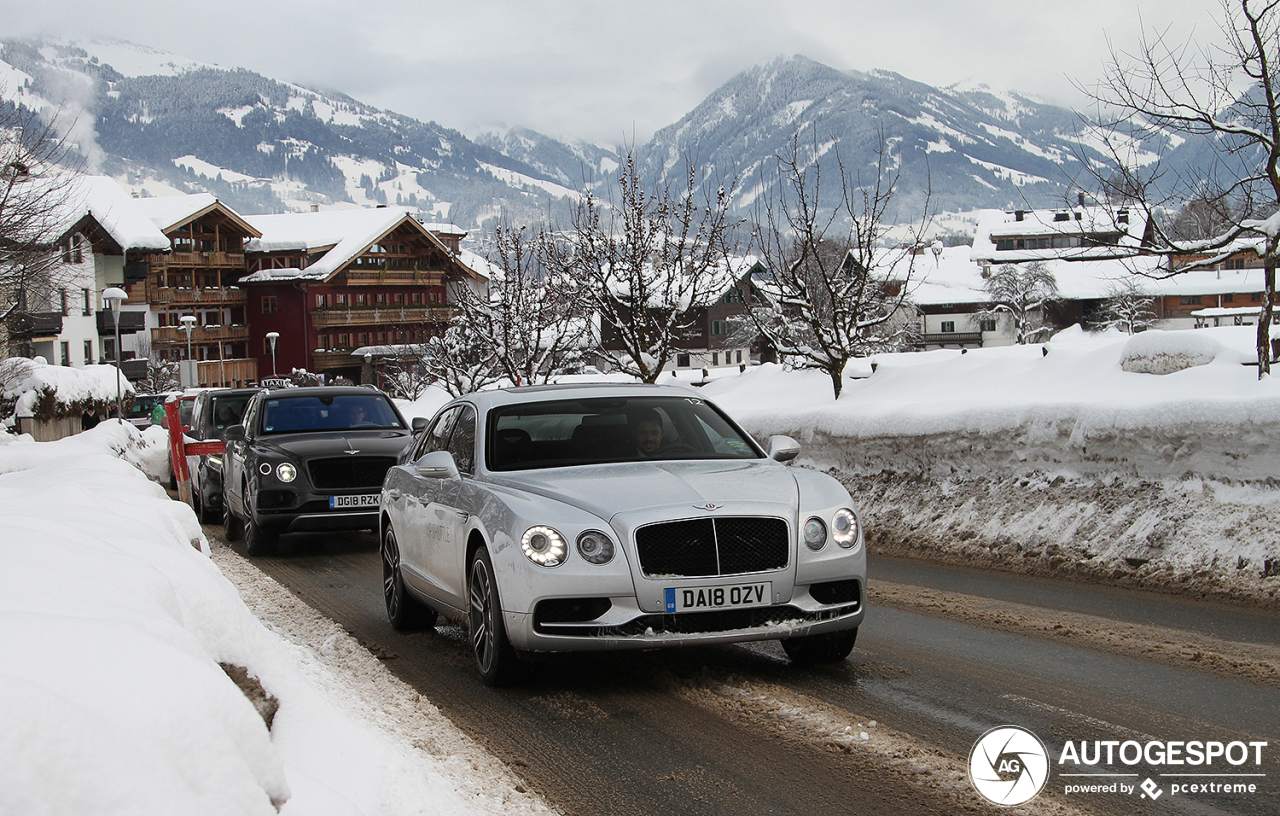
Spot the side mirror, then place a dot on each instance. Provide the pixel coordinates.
(783, 448)
(419, 423)
(437, 465)
(233, 433)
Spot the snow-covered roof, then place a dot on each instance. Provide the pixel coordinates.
(1067, 223)
(342, 234)
(114, 210)
(955, 278)
(167, 212)
(282, 275)
(442, 228)
(479, 264)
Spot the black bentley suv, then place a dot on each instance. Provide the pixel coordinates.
(308, 459)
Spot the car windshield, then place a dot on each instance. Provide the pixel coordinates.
(591, 431)
(288, 414)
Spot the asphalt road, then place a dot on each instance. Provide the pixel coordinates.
(730, 730)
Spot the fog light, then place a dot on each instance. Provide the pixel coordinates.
(543, 546)
(815, 534)
(595, 547)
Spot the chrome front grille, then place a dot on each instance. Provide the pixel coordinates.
(713, 546)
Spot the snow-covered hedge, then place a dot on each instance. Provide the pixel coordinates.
(49, 392)
(1164, 352)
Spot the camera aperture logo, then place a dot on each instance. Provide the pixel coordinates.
(1009, 765)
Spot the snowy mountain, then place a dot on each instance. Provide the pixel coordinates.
(974, 148)
(162, 123)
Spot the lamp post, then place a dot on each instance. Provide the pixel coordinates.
(272, 337)
(114, 296)
(188, 323)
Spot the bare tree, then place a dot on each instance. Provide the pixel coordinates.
(1018, 296)
(162, 374)
(1128, 307)
(458, 360)
(1168, 88)
(530, 323)
(35, 184)
(407, 376)
(641, 262)
(836, 288)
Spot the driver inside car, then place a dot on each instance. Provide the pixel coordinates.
(646, 431)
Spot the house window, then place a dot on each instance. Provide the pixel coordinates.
(434, 297)
(340, 298)
(717, 327)
(362, 299)
(268, 304)
(738, 355)
(417, 298)
(1228, 298)
(88, 352)
(62, 300)
(1256, 297)
(86, 303)
(66, 352)
(948, 326)
(364, 338)
(381, 298)
(715, 358)
(382, 337)
(986, 325)
(1193, 300)
(319, 301)
(322, 341)
(344, 341)
(398, 298)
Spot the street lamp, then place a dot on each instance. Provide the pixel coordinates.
(114, 296)
(188, 323)
(272, 337)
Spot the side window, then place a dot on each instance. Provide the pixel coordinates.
(435, 437)
(462, 442)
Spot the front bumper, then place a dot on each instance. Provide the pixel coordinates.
(623, 625)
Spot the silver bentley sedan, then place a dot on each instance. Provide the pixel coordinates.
(562, 518)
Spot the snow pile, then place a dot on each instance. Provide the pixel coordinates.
(1064, 405)
(1164, 352)
(118, 642)
(70, 390)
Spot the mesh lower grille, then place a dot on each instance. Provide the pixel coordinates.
(349, 472)
(707, 547)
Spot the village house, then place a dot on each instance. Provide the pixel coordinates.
(103, 241)
(327, 283)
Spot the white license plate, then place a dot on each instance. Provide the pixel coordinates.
(732, 596)
(359, 500)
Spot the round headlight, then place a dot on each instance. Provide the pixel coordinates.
(543, 546)
(844, 527)
(595, 547)
(286, 472)
(815, 534)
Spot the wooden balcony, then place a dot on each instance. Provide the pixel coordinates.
(227, 373)
(129, 322)
(207, 296)
(201, 334)
(329, 360)
(418, 277)
(380, 316)
(951, 339)
(207, 259)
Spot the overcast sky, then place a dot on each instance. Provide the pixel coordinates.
(615, 71)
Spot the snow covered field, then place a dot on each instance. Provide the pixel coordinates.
(118, 641)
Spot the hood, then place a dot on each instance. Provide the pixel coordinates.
(607, 490)
(324, 444)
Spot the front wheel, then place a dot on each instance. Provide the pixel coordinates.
(495, 658)
(403, 610)
(812, 649)
(258, 541)
(232, 527)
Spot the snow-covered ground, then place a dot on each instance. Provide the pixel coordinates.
(119, 638)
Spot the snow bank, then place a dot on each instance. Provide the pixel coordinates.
(1164, 352)
(29, 381)
(1067, 404)
(116, 637)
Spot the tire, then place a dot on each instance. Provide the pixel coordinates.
(494, 656)
(257, 541)
(405, 612)
(814, 649)
(232, 527)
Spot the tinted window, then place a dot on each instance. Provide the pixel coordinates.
(435, 437)
(228, 410)
(578, 432)
(291, 414)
